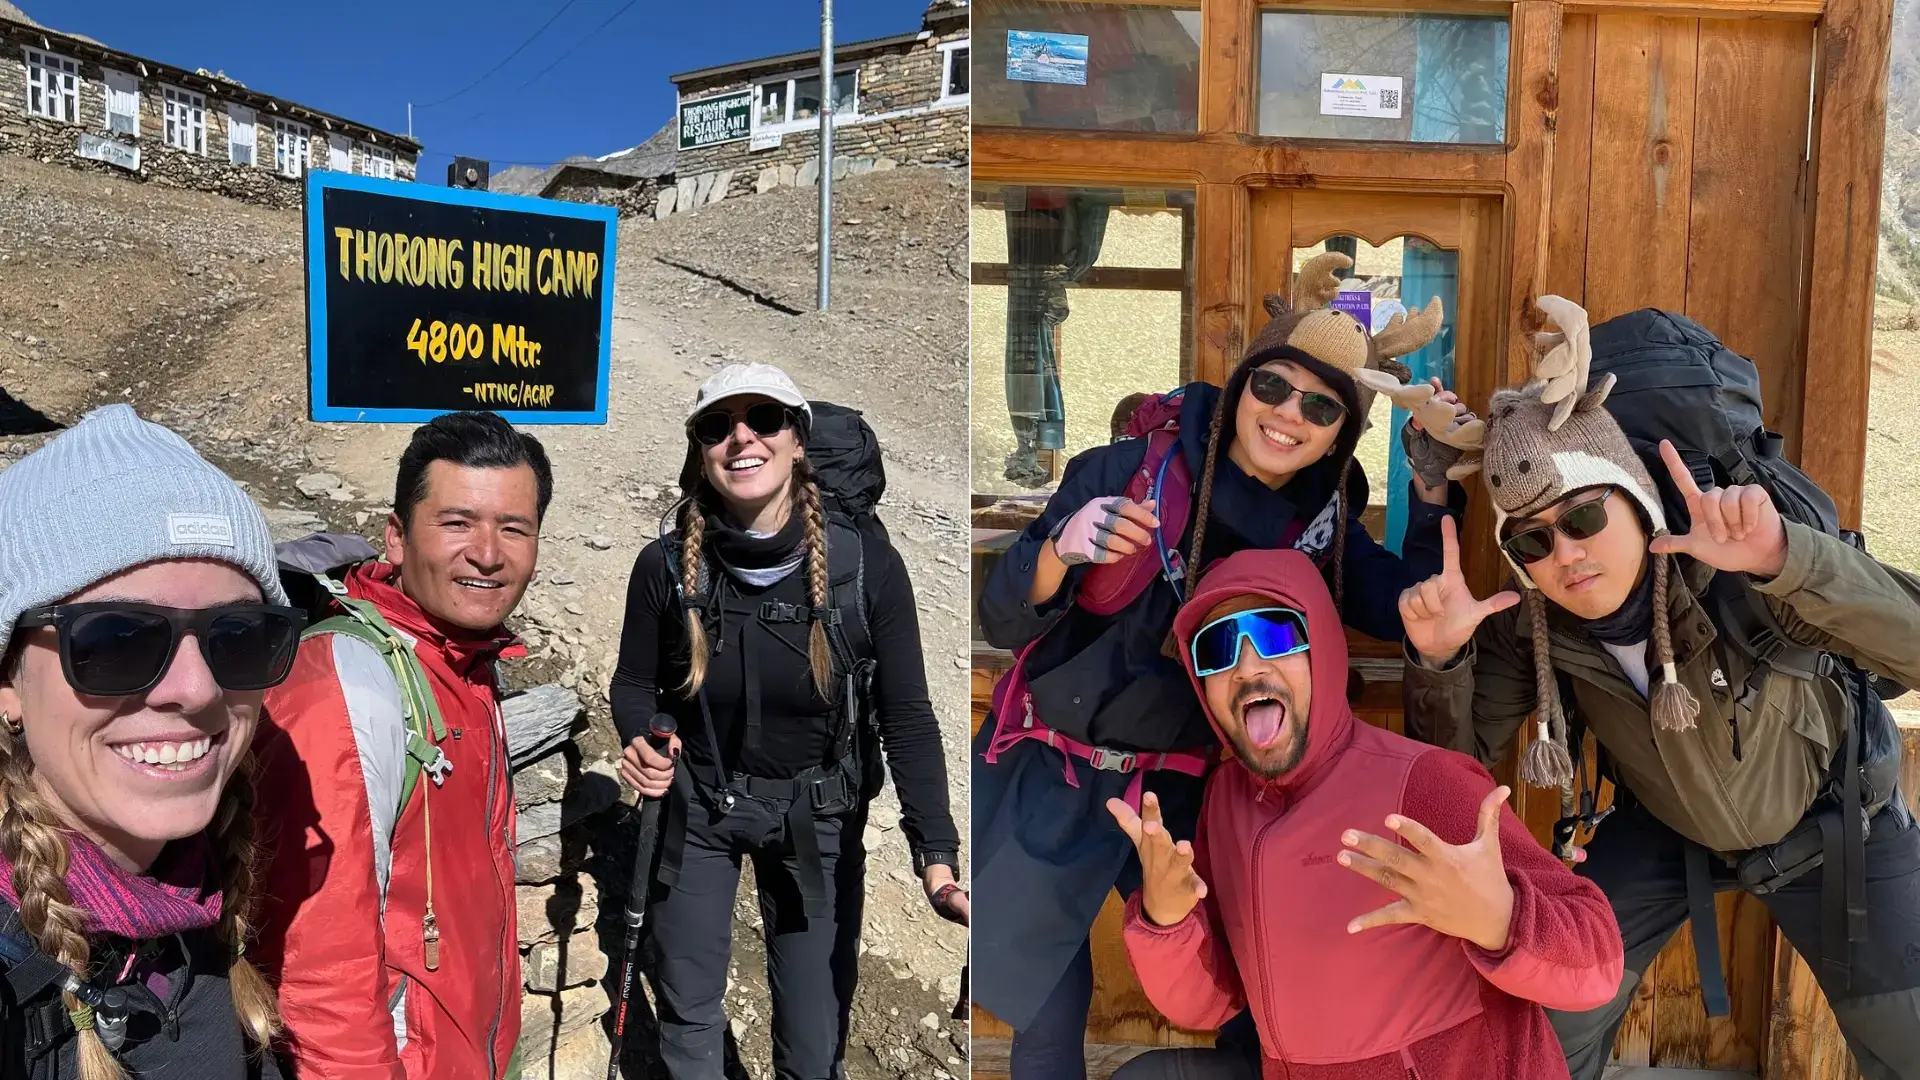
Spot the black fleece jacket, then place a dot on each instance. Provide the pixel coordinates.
(796, 724)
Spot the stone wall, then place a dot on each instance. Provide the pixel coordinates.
(563, 918)
(53, 141)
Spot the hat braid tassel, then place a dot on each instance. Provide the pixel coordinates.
(1546, 762)
(1674, 707)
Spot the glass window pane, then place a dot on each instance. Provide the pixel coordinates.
(1403, 275)
(1113, 67)
(806, 98)
(844, 86)
(1090, 308)
(773, 103)
(959, 77)
(1399, 78)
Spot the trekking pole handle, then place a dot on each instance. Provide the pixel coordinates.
(659, 736)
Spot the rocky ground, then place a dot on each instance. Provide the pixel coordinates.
(190, 307)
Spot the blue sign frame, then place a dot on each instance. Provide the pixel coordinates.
(320, 181)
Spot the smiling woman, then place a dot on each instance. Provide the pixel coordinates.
(141, 623)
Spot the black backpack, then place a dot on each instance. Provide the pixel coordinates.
(1676, 381)
(846, 454)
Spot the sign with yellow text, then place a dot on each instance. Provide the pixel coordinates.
(426, 300)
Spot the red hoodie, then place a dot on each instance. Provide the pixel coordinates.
(355, 992)
(1388, 1003)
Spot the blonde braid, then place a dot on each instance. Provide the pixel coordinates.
(38, 853)
(806, 497)
(693, 527)
(253, 998)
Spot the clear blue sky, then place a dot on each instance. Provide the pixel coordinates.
(365, 59)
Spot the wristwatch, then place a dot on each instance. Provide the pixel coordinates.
(924, 859)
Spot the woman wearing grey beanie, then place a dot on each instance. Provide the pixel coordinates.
(141, 623)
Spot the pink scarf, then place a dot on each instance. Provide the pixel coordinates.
(176, 893)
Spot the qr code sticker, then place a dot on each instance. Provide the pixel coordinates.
(1390, 99)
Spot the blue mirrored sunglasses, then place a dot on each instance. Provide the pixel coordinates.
(1274, 631)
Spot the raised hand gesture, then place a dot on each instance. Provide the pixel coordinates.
(1461, 891)
(1440, 614)
(1736, 529)
(1169, 886)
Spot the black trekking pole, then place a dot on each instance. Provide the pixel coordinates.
(661, 732)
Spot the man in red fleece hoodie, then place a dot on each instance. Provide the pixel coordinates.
(1428, 956)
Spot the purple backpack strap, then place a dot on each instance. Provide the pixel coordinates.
(1162, 477)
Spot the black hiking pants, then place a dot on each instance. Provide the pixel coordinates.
(1640, 864)
(812, 964)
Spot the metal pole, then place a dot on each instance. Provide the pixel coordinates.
(826, 148)
(409, 119)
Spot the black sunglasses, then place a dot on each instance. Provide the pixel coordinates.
(118, 649)
(766, 419)
(1320, 410)
(1581, 521)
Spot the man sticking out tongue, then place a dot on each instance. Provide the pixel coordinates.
(1370, 899)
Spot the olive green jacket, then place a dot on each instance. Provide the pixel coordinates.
(1829, 596)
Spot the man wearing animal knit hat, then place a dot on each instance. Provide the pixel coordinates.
(1369, 897)
(1718, 789)
(1096, 706)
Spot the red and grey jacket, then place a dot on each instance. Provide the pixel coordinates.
(1388, 1003)
(346, 886)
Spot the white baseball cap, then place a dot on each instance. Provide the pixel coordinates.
(742, 380)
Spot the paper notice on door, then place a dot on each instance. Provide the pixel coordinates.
(1357, 303)
(1376, 96)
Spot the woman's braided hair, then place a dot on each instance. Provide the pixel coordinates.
(693, 523)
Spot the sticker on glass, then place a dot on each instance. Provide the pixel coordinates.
(1357, 303)
(1376, 96)
(1037, 56)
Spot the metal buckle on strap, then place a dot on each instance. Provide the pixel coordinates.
(1120, 761)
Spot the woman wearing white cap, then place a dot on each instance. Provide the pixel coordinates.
(783, 639)
(141, 624)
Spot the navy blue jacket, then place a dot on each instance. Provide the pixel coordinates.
(1103, 679)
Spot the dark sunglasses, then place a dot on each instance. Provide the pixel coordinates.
(1581, 521)
(766, 419)
(1275, 632)
(119, 649)
(1320, 410)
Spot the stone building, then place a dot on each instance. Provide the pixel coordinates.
(70, 99)
(757, 126)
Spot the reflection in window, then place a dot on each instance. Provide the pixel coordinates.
(1088, 66)
(1402, 78)
(806, 96)
(1403, 275)
(1081, 298)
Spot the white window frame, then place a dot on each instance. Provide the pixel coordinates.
(242, 119)
(292, 148)
(947, 51)
(57, 79)
(379, 161)
(787, 83)
(128, 89)
(184, 119)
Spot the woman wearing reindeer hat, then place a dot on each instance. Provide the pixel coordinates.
(141, 624)
(1097, 707)
(1731, 770)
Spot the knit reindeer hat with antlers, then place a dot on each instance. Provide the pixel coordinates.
(1334, 346)
(1541, 443)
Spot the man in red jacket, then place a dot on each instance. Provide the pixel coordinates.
(1429, 953)
(390, 929)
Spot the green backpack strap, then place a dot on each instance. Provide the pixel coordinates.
(425, 727)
